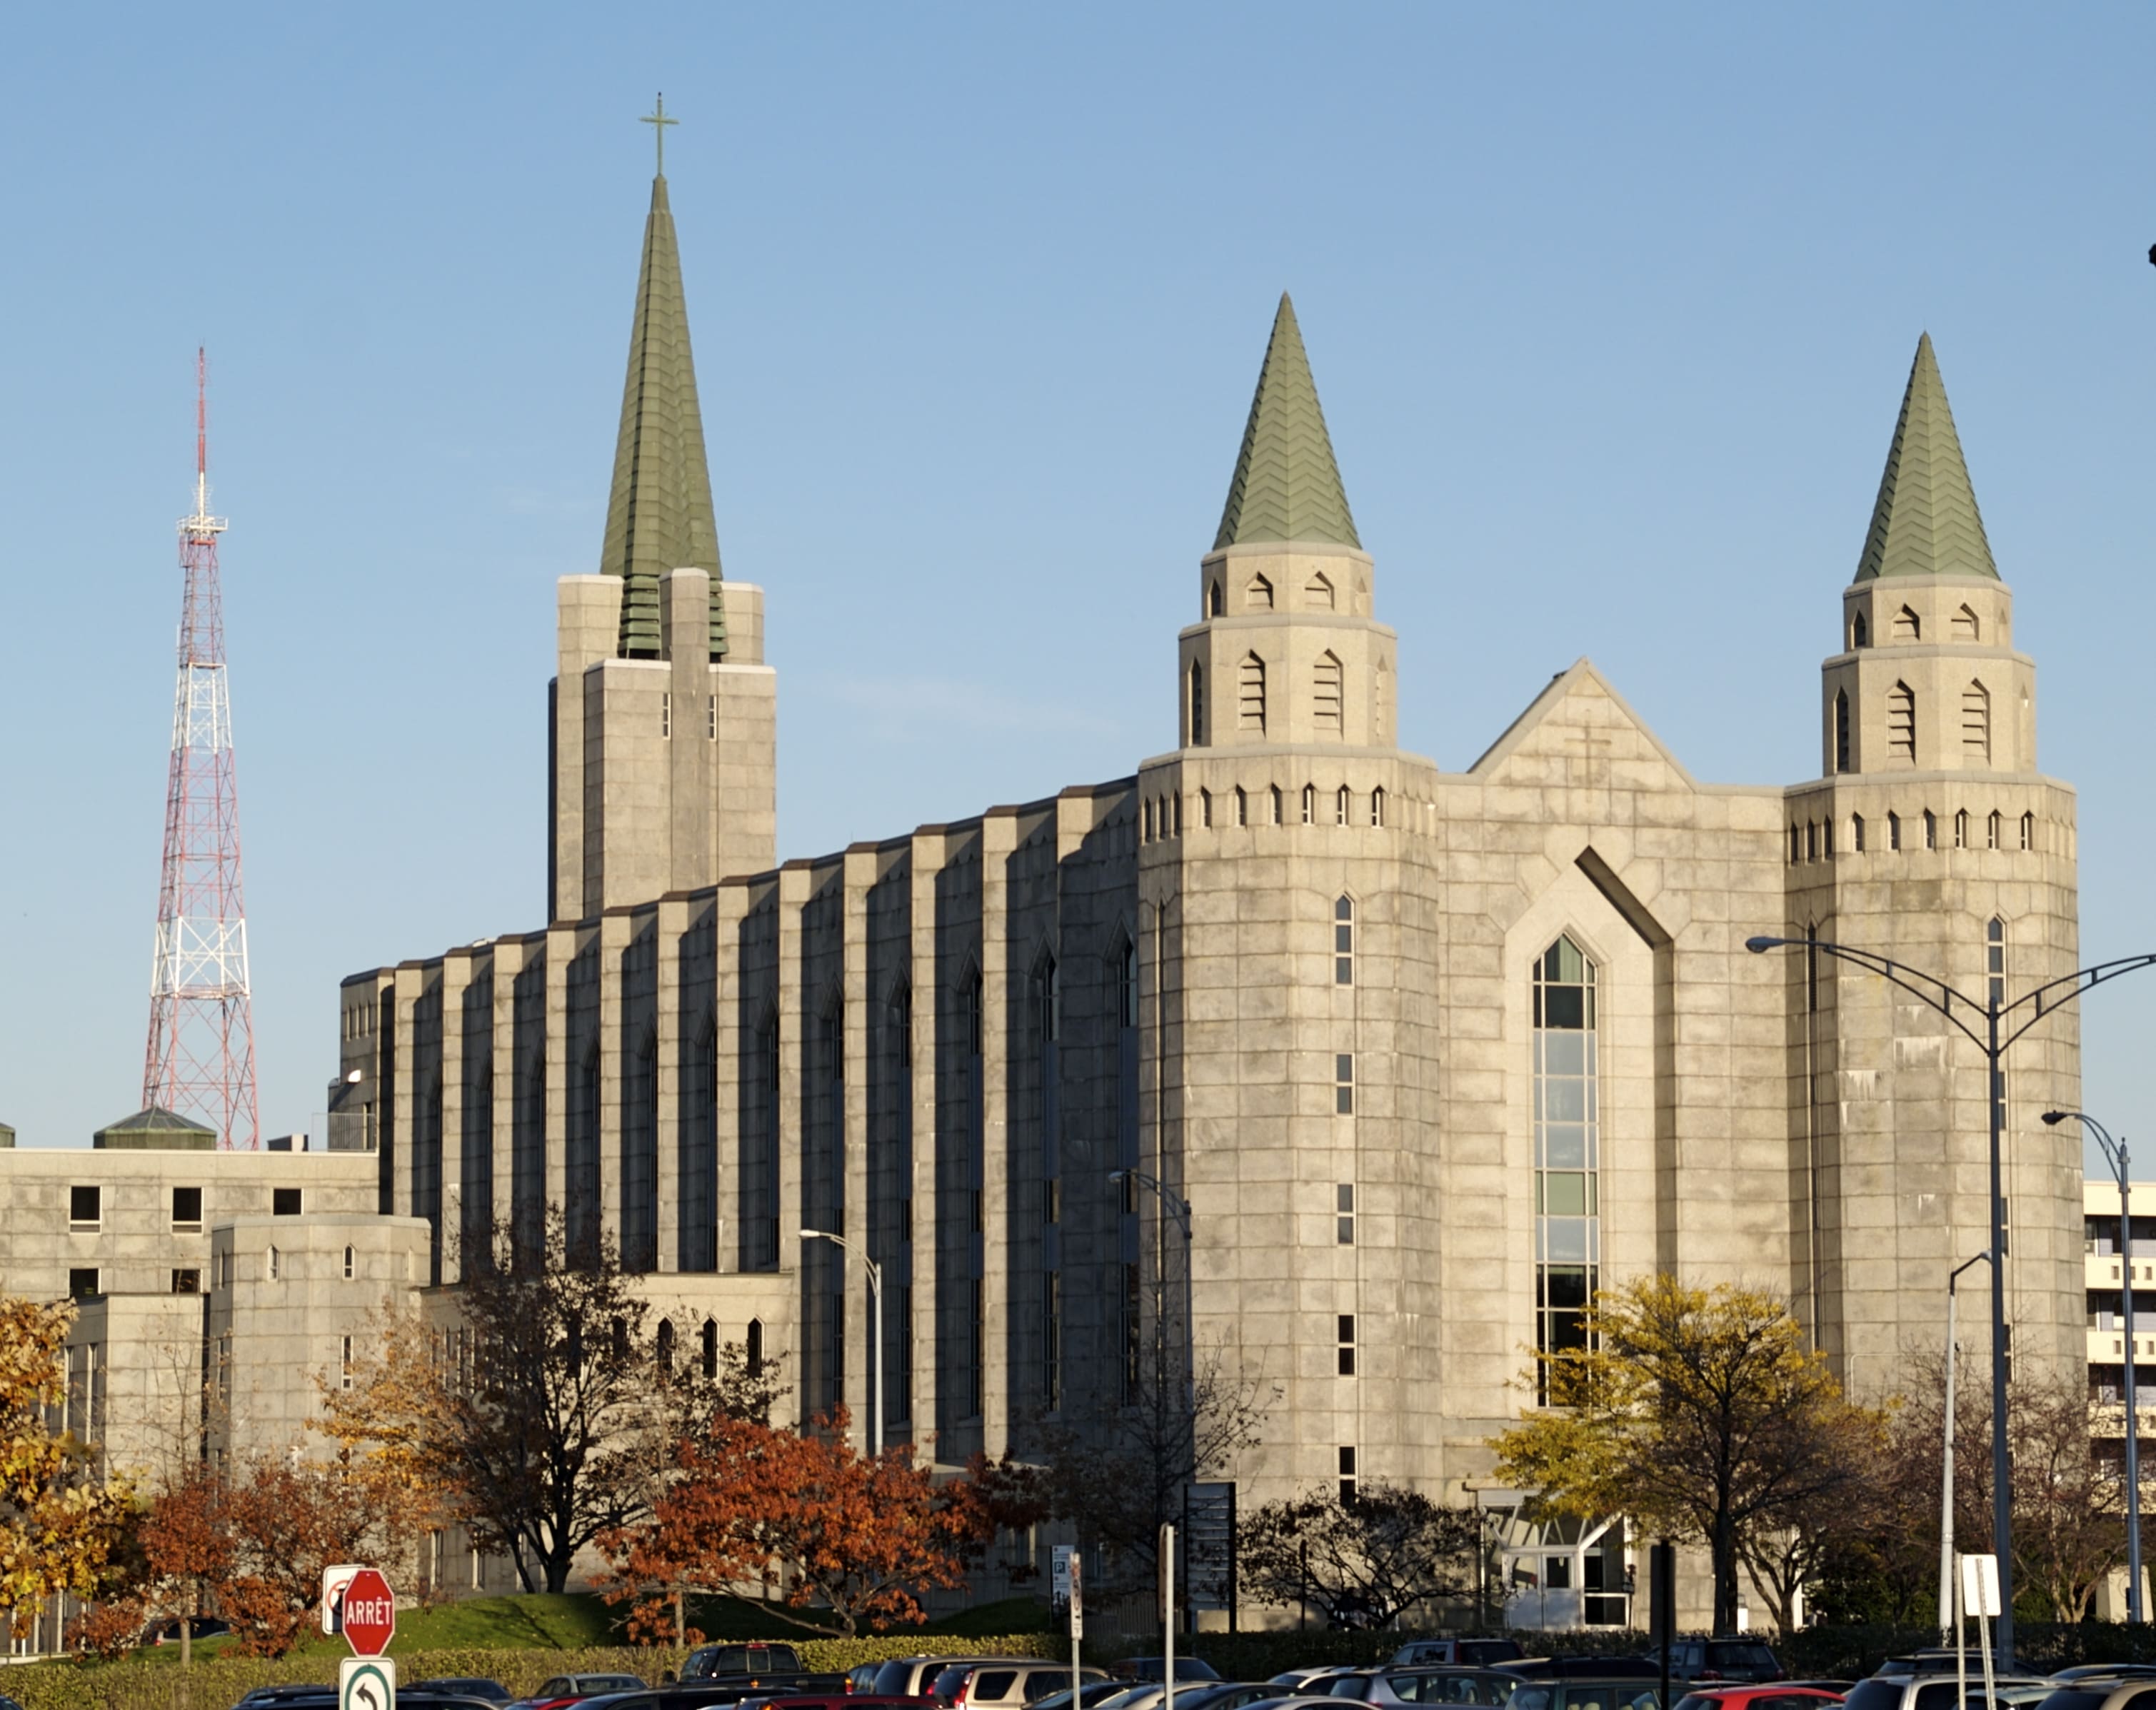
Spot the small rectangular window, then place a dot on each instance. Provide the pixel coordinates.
(1344, 1084)
(1346, 1345)
(351, 1266)
(712, 718)
(1347, 1476)
(284, 1202)
(1344, 1203)
(187, 1281)
(665, 713)
(347, 1383)
(85, 1207)
(187, 1208)
(82, 1283)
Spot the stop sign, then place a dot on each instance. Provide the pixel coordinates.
(370, 1613)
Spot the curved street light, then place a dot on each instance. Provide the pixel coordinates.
(876, 1329)
(2114, 1154)
(1992, 1026)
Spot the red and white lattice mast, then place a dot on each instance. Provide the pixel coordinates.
(200, 1058)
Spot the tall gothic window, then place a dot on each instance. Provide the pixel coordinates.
(1196, 704)
(1328, 695)
(1250, 699)
(1567, 1210)
(1902, 722)
(1976, 723)
(639, 1157)
(1841, 730)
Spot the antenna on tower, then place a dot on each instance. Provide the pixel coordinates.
(200, 1060)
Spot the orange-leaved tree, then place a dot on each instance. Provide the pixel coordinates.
(60, 1518)
(289, 1519)
(187, 1546)
(859, 1535)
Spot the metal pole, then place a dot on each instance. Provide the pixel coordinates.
(2002, 1471)
(875, 1331)
(1946, 1481)
(2132, 1411)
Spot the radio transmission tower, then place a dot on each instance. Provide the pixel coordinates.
(201, 1057)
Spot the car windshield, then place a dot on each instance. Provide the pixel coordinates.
(1880, 1692)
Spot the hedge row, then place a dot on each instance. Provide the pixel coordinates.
(217, 1682)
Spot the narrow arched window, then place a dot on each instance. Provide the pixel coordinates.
(2028, 830)
(1893, 830)
(1205, 808)
(753, 1347)
(1250, 699)
(1993, 829)
(1796, 844)
(1994, 959)
(1931, 829)
(1343, 941)
(1961, 828)
(665, 1347)
(1196, 704)
(1242, 806)
(1567, 1147)
(1378, 806)
(1342, 807)
(1310, 804)
(1811, 840)
(350, 1264)
(711, 1348)
(1860, 633)
(1976, 723)
(1841, 730)
(1327, 693)
(1216, 602)
(1856, 834)
(1146, 810)
(1902, 722)
(1278, 805)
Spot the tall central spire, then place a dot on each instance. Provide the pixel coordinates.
(659, 516)
(1286, 485)
(1925, 521)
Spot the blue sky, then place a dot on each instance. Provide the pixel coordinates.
(1610, 308)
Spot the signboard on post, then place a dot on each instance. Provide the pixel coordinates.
(1980, 1585)
(366, 1683)
(368, 1615)
(1059, 1573)
(334, 1581)
(1077, 1595)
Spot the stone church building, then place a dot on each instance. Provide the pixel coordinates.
(1428, 1055)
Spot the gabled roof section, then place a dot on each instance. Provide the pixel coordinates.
(1599, 726)
(659, 516)
(1926, 522)
(1286, 486)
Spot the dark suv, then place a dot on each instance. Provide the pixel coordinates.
(1735, 1660)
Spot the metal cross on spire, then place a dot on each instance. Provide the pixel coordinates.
(658, 120)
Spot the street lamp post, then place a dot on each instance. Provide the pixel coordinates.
(1176, 1206)
(1992, 1026)
(2114, 1154)
(1946, 1464)
(875, 1332)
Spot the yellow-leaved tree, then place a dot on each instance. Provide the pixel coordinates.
(1702, 1414)
(59, 1519)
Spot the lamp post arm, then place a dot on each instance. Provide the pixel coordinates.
(1928, 989)
(2067, 987)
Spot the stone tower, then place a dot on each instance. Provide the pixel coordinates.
(662, 715)
(1931, 838)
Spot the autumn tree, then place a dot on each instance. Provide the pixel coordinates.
(541, 1415)
(60, 1518)
(1701, 1413)
(187, 1547)
(860, 1535)
(1363, 1562)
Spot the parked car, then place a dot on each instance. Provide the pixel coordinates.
(1190, 1695)
(9, 1703)
(2085, 1671)
(842, 1701)
(1599, 1668)
(1759, 1695)
(1311, 1679)
(1727, 1658)
(1151, 1668)
(730, 1690)
(1471, 1653)
(1934, 1660)
(1929, 1691)
(2112, 1690)
(166, 1630)
(1001, 1685)
(1423, 1686)
(2006, 1697)
(1582, 1692)
(914, 1676)
(559, 1691)
(1089, 1694)
(710, 1662)
(463, 1685)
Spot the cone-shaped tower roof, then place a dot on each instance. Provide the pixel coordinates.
(1926, 522)
(1286, 486)
(659, 516)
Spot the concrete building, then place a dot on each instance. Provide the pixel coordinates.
(1430, 1055)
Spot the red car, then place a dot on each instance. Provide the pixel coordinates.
(1758, 1695)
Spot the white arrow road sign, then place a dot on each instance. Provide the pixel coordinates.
(366, 1683)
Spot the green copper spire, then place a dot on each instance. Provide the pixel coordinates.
(1925, 522)
(1286, 485)
(659, 516)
